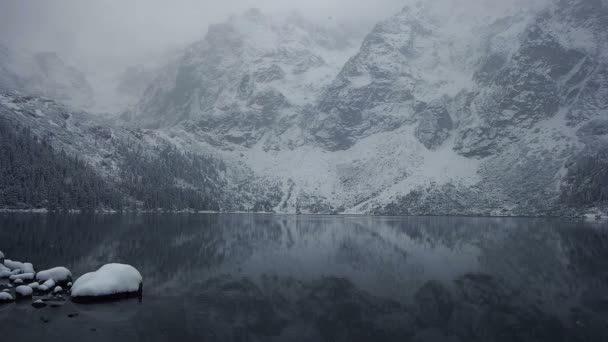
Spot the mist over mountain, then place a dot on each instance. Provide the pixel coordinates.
(443, 108)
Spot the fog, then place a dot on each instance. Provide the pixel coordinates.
(102, 38)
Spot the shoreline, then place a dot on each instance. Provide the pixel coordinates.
(586, 217)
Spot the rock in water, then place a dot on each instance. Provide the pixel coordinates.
(39, 304)
(60, 275)
(6, 297)
(110, 282)
(23, 292)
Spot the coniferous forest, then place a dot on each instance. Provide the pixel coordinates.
(36, 176)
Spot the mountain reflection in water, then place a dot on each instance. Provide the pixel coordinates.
(321, 278)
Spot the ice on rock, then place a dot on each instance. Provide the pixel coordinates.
(24, 267)
(23, 291)
(6, 297)
(60, 275)
(111, 281)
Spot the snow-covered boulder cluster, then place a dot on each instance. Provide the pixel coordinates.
(110, 282)
(60, 275)
(48, 287)
(19, 281)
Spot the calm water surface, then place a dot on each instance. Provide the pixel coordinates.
(320, 278)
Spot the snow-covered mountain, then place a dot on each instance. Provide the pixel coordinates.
(249, 77)
(458, 108)
(43, 74)
(447, 107)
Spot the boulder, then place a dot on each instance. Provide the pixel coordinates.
(23, 292)
(6, 297)
(110, 282)
(60, 275)
(23, 267)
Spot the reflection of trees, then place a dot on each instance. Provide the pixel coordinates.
(520, 269)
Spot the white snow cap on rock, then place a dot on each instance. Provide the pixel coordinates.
(34, 285)
(23, 276)
(5, 272)
(43, 288)
(49, 283)
(6, 297)
(58, 274)
(108, 280)
(24, 291)
(58, 289)
(24, 267)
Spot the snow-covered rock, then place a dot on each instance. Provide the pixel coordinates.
(24, 267)
(18, 281)
(23, 276)
(23, 291)
(60, 275)
(34, 285)
(57, 290)
(43, 288)
(6, 297)
(111, 281)
(5, 272)
(49, 283)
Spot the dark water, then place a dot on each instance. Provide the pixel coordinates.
(304, 278)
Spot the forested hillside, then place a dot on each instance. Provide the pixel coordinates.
(37, 176)
(34, 175)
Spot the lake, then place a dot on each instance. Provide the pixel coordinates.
(241, 277)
